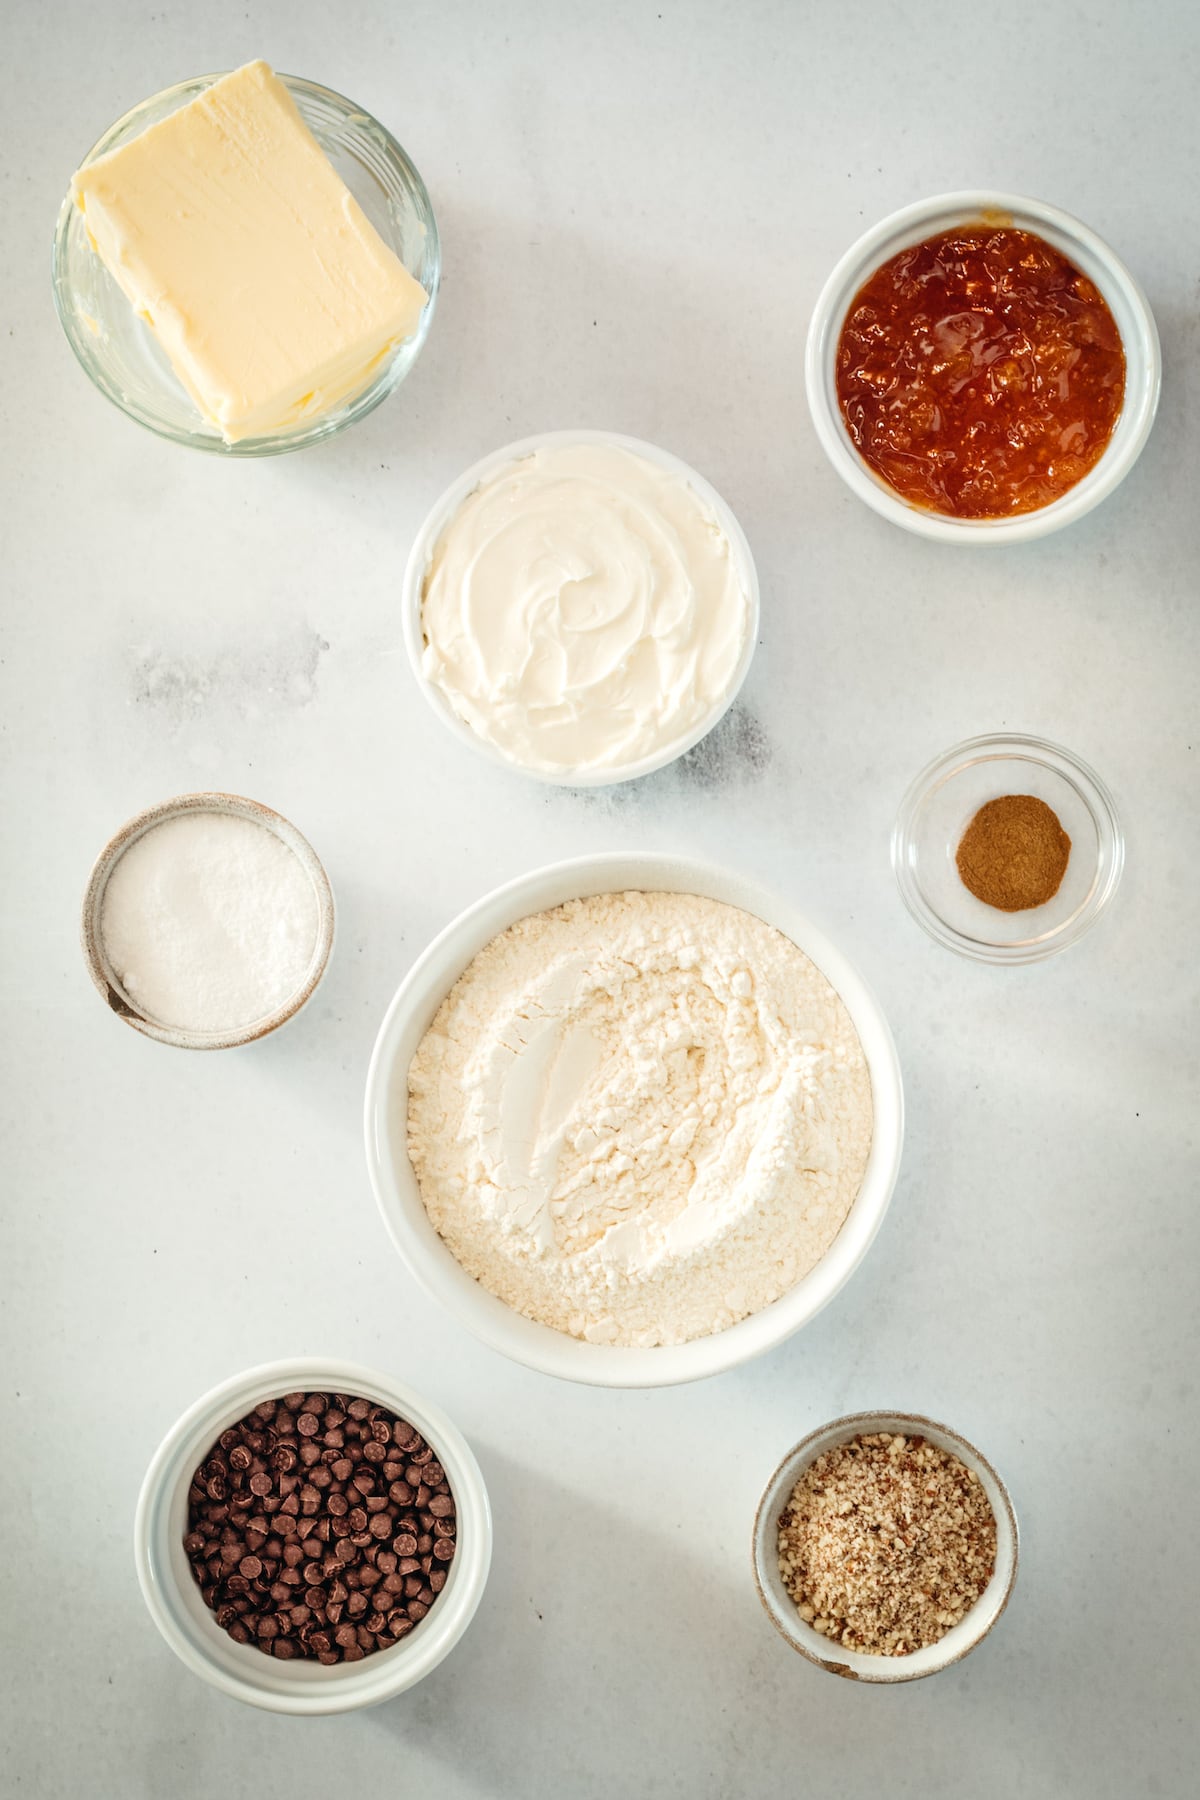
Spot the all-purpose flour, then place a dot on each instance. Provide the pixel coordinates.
(640, 1117)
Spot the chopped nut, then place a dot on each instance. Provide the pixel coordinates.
(886, 1543)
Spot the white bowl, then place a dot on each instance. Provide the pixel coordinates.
(434, 1265)
(1126, 301)
(239, 1670)
(852, 1664)
(452, 499)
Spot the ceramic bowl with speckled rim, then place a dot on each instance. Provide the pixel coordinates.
(105, 977)
(853, 1665)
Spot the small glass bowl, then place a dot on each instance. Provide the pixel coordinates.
(940, 805)
(122, 356)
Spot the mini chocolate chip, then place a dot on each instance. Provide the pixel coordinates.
(441, 1506)
(417, 1610)
(308, 1425)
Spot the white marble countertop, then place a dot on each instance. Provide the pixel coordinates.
(638, 207)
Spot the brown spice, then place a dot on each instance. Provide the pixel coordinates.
(1014, 853)
(885, 1543)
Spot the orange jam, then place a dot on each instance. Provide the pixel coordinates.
(980, 374)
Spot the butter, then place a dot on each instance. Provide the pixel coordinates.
(234, 238)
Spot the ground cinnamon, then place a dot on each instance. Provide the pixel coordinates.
(1014, 853)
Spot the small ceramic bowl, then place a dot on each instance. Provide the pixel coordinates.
(940, 805)
(433, 1264)
(123, 358)
(108, 982)
(1090, 254)
(422, 552)
(852, 1664)
(244, 1673)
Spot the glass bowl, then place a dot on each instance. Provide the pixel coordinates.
(936, 811)
(122, 356)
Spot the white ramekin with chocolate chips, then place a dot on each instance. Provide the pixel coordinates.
(312, 1537)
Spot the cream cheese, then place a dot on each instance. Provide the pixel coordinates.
(233, 237)
(583, 609)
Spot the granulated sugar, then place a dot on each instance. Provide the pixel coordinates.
(640, 1117)
(209, 922)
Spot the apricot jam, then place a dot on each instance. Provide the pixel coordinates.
(980, 374)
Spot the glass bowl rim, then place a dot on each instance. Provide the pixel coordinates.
(326, 425)
(1093, 792)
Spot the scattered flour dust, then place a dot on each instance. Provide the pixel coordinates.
(209, 921)
(639, 1117)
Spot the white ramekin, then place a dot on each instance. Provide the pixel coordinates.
(852, 1664)
(435, 1267)
(239, 1670)
(105, 977)
(1127, 302)
(452, 499)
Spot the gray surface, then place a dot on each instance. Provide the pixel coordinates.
(638, 208)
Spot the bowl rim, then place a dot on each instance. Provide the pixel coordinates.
(443, 510)
(104, 977)
(433, 1266)
(1121, 291)
(863, 1668)
(380, 1676)
(1092, 790)
(387, 378)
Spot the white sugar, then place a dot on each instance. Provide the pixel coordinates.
(209, 921)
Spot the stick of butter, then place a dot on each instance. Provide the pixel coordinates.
(233, 237)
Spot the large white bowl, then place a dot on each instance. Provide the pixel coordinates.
(244, 1673)
(433, 1264)
(412, 594)
(1126, 301)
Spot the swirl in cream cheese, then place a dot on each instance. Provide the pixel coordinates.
(583, 609)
